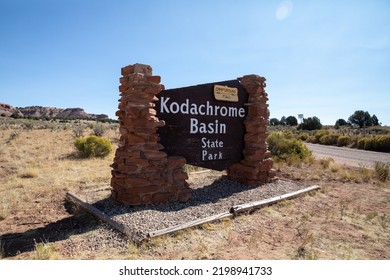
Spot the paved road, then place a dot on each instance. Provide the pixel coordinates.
(347, 156)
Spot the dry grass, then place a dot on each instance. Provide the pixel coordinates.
(45, 251)
(347, 219)
(40, 162)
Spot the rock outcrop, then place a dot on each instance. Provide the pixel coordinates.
(9, 111)
(48, 112)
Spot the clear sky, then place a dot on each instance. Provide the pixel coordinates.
(320, 58)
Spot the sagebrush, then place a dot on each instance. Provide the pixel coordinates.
(284, 147)
(93, 146)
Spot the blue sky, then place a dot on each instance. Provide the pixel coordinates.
(320, 58)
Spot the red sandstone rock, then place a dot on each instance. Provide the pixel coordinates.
(129, 198)
(129, 69)
(162, 197)
(133, 182)
(254, 169)
(144, 190)
(151, 154)
(142, 174)
(142, 68)
(154, 79)
(175, 162)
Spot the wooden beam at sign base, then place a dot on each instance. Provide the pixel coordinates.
(237, 209)
(98, 214)
(190, 224)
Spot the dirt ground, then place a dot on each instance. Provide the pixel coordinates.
(341, 221)
(348, 218)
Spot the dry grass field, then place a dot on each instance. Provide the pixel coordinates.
(349, 218)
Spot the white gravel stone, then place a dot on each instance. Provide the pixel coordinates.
(212, 194)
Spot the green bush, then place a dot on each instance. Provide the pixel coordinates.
(319, 134)
(303, 136)
(370, 144)
(311, 139)
(382, 143)
(329, 139)
(343, 140)
(93, 146)
(361, 143)
(284, 148)
(310, 124)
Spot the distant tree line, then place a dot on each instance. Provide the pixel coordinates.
(311, 123)
(290, 120)
(359, 119)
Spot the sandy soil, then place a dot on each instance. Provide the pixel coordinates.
(341, 221)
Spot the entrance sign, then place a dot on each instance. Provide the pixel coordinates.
(204, 123)
(221, 126)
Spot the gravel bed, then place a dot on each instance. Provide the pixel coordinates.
(212, 194)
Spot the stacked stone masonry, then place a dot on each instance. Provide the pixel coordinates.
(142, 173)
(256, 167)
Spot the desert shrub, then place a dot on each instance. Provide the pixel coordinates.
(329, 139)
(382, 143)
(311, 139)
(14, 134)
(93, 146)
(284, 148)
(343, 140)
(361, 143)
(98, 130)
(325, 162)
(370, 144)
(288, 134)
(319, 134)
(28, 125)
(382, 170)
(303, 136)
(78, 131)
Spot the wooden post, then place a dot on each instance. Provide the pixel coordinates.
(237, 209)
(99, 214)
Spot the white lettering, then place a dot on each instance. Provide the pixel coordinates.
(207, 109)
(204, 142)
(206, 155)
(224, 111)
(164, 104)
(209, 128)
(174, 107)
(201, 110)
(194, 109)
(184, 107)
(193, 125)
(216, 110)
(233, 111)
(207, 143)
(203, 128)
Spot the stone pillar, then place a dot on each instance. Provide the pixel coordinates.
(142, 173)
(256, 167)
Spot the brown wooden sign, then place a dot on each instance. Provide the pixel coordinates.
(204, 123)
